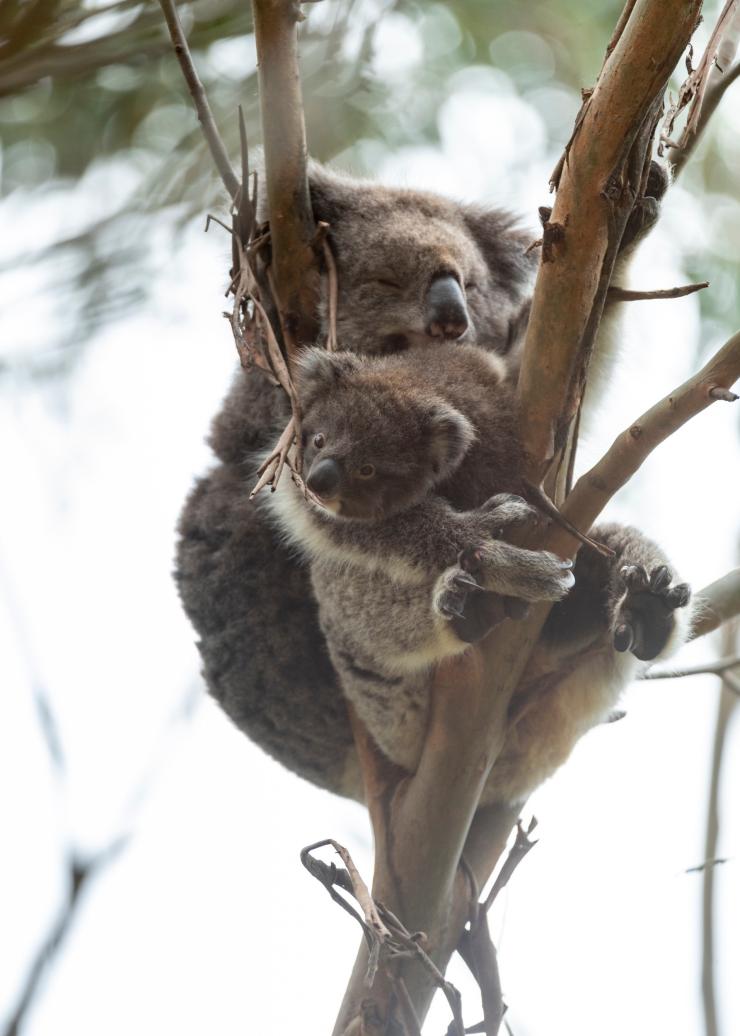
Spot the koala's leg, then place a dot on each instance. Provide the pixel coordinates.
(264, 658)
(630, 601)
(623, 611)
(384, 639)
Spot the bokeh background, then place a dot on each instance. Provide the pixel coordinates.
(132, 814)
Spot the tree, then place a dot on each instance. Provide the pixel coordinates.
(486, 836)
(420, 882)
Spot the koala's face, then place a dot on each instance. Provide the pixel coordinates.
(370, 449)
(415, 268)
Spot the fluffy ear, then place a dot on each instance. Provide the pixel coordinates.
(451, 436)
(332, 194)
(319, 372)
(503, 246)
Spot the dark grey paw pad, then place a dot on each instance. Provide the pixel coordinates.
(645, 620)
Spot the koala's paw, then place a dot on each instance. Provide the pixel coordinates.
(470, 610)
(452, 591)
(645, 618)
(507, 510)
(514, 572)
(646, 211)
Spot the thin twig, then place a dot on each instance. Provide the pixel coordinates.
(522, 845)
(197, 92)
(704, 87)
(333, 289)
(387, 937)
(79, 875)
(725, 708)
(616, 294)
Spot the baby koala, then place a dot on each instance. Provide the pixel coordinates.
(394, 449)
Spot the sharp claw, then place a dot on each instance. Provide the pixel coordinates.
(624, 637)
(660, 579)
(463, 578)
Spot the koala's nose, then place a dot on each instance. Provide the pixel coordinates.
(324, 478)
(446, 312)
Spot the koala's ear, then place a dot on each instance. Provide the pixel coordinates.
(332, 194)
(319, 371)
(503, 246)
(451, 435)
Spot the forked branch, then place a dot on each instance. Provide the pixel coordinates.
(598, 183)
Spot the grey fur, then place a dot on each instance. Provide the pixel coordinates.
(248, 596)
(393, 562)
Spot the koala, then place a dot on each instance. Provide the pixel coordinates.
(389, 443)
(415, 270)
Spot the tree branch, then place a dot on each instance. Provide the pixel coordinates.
(716, 603)
(596, 191)
(617, 294)
(707, 84)
(292, 226)
(594, 490)
(418, 843)
(202, 107)
(725, 707)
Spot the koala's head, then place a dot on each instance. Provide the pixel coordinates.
(415, 267)
(372, 445)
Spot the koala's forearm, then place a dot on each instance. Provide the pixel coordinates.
(410, 546)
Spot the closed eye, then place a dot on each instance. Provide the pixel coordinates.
(388, 283)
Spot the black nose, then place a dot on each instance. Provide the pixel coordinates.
(324, 478)
(446, 312)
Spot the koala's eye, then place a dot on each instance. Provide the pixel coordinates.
(319, 441)
(366, 471)
(387, 283)
(471, 286)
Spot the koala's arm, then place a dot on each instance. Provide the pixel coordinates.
(418, 544)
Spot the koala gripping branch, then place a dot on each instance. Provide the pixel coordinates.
(419, 845)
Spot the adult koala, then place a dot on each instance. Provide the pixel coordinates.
(413, 268)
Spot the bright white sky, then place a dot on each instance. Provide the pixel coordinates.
(207, 919)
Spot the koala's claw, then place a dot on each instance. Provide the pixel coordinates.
(645, 619)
